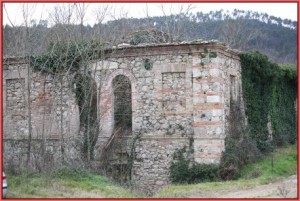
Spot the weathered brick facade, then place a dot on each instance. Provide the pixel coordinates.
(179, 92)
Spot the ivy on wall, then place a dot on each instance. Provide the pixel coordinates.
(269, 92)
(283, 113)
(65, 56)
(86, 98)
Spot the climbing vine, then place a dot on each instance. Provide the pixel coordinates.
(269, 92)
(86, 97)
(65, 56)
(131, 157)
(283, 113)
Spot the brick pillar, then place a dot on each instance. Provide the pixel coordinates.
(208, 109)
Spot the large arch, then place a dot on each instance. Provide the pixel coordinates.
(106, 104)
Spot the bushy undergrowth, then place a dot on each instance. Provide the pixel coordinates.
(257, 173)
(240, 149)
(71, 173)
(182, 172)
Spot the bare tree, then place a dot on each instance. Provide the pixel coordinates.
(235, 34)
(175, 21)
(100, 11)
(80, 11)
(27, 11)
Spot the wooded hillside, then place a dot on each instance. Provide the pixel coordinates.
(243, 30)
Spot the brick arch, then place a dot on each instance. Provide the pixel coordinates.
(107, 103)
(107, 87)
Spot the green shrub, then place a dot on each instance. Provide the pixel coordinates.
(73, 173)
(183, 172)
(238, 153)
(179, 171)
(204, 172)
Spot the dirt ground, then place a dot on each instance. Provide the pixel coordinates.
(284, 188)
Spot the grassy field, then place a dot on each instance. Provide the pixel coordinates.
(65, 183)
(73, 183)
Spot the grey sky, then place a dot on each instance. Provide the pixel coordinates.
(39, 11)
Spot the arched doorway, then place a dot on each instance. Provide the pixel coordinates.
(122, 104)
(117, 104)
(109, 94)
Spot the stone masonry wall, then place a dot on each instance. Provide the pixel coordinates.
(152, 162)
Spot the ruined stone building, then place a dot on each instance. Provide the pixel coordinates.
(178, 94)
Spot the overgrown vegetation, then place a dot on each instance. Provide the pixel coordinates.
(74, 182)
(261, 172)
(86, 97)
(184, 170)
(65, 56)
(283, 106)
(240, 148)
(270, 93)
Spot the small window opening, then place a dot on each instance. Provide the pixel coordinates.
(148, 64)
(233, 92)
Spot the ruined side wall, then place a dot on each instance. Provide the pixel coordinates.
(47, 110)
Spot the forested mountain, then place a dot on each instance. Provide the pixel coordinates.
(243, 30)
